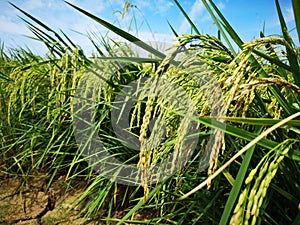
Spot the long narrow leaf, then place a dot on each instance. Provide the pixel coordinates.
(274, 89)
(172, 28)
(42, 25)
(296, 9)
(220, 28)
(121, 32)
(273, 60)
(187, 17)
(261, 121)
(66, 36)
(236, 189)
(237, 132)
(291, 55)
(136, 207)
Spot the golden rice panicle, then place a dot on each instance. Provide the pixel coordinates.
(259, 42)
(136, 115)
(233, 82)
(238, 212)
(242, 215)
(280, 152)
(218, 143)
(253, 197)
(251, 176)
(146, 119)
(179, 142)
(267, 168)
(145, 159)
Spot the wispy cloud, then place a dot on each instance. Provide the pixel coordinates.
(34, 4)
(7, 25)
(221, 5)
(156, 7)
(289, 14)
(94, 6)
(162, 6)
(195, 13)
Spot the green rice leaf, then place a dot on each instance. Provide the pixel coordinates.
(261, 121)
(237, 132)
(42, 25)
(291, 55)
(121, 32)
(187, 17)
(236, 189)
(296, 9)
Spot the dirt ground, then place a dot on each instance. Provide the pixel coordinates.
(29, 203)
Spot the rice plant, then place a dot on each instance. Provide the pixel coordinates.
(251, 130)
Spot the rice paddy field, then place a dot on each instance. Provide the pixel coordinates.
(208, 133)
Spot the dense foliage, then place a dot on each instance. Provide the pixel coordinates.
(259, 88)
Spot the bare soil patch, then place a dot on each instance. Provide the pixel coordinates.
(30, 203)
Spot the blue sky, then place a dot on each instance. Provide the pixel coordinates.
(247, 18)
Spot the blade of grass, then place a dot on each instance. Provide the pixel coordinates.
(274, 89)
(136, 207)
(237, 132)
(291, 55)
(42, 25)
(56, 48)
(241, 152)
(46, 36)
(296, 9)
(273, 60)
(246, 135)
(122, 33)
(296, 220)
(260, 121)
(173, 30)
(238, 183)
(66, 36)
(187, 17)
(220, 28)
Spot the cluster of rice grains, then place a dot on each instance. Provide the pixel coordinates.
(159, 95)
(38, 87)
(145, 154)
(204, 97)
(257, 183)
(166, 104)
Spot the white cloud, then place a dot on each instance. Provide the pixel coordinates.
(8, 26)
(160, 41)
(289, 14)
(195, 13)
(163, 6)
(33, 4)
(93, 6)
(156, 37)
(141, 4)
(221, 5)
(55, 5)
(157, 7)
(197, 9)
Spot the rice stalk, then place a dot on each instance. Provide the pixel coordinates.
(248, 208)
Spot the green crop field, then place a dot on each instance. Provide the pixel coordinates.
(240, 164)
